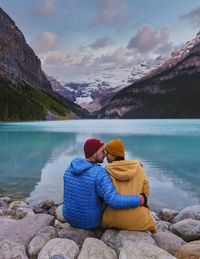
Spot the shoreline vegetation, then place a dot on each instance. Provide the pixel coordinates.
(40, 231)
(22, 101)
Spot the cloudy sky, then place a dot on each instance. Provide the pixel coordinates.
(79, 38)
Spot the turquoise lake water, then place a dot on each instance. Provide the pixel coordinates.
(34, 156)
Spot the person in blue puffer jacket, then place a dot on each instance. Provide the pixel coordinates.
(88, 187)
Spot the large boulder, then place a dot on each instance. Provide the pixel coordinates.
(189, 250)
(59, 256)
(78, 235)
(168, 241)
(9, 249)
(116, 238)
(3, 204)
(16, 204)
(192, 212)
(167, 214)
(6, 199)
(6, 221)
(20, 209)
(142, 250)
(23, 230)
(21, 212)
(42, 237)
(64, 248)
(7, 212)
(187, 229)
(96, 249)
(162, 225)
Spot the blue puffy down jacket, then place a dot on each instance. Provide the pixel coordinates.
(86, 187)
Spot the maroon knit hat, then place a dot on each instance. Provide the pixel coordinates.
(91, 146)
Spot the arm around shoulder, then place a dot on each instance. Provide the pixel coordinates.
(106, 190)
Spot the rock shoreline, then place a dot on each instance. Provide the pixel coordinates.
(40, 231)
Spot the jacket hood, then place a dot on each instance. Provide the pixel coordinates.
(79, 165)
(123, 170)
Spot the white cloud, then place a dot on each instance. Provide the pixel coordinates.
(147, 40)
(44, 42)
(77, 66)
(58, 59)
(44, 8)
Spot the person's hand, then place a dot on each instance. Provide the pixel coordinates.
(143, 200)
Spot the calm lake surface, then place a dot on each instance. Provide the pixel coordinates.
(34, 156)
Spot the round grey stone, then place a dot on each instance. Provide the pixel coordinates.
(142, 250)
(58, 246)
(192, 212)
(187, 229)
(94, 248)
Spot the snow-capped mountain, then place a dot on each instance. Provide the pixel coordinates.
(94, 92)
(169, 91)
(188, 52)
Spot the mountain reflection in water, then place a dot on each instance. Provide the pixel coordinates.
(34, 156)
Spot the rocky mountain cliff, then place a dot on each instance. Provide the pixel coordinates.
(26, 93)
(17, 58)
(60, 89)
(172, 90)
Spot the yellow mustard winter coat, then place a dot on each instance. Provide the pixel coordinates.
(129, 178)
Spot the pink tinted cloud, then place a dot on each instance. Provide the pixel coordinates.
(44, 43)
(45, 8)
(147, 40)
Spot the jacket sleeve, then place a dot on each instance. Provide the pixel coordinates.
(106, 190)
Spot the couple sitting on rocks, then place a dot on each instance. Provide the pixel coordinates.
(114, 196)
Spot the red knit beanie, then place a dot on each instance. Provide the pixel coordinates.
(91, 146)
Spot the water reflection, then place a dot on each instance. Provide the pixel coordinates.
(23, 155)
(172, 173)
(33, 159)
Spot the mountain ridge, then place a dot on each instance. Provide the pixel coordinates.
(26, 93)
(94, 93)
(163, 92)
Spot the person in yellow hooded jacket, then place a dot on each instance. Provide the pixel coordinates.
(128, 178)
